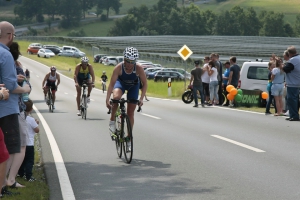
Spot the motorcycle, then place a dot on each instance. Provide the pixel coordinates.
(188, 96)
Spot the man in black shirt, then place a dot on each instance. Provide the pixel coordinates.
(196, 74)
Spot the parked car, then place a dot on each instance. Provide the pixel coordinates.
(97, 57)
(33, 49)
(46, 53)
(149, 70)
(110, 60)
(102, 58)
(67, 53)
(55, 50)
(151, 75)
(77, 52)
(120, 59)
(36, 45)
(164, 75)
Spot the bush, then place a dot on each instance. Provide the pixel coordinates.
(79, 33)
(103, 17)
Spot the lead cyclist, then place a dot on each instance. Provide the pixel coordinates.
(126, 76)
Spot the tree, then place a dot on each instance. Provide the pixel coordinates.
(209, 19)
(86, 5)
(70, 14)
(252, 22)
(195, 23)
(176, 24)
(109, 4)
(124, 26)
(297, 25)
(30, 9)
(273, 25)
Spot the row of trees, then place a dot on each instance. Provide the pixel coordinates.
(71, 11)
(166, 18)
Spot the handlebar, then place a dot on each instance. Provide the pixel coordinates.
(125, 101)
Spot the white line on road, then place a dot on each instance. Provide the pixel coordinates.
(37, 75)
(63, 177)
(150, 116)
(238, 143)
(66, 93)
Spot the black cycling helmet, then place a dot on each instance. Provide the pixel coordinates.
(52, 68)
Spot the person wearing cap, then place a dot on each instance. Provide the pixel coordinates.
(51, 79)
(196, 80)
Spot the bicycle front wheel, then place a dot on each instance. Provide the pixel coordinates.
(50, 102)
(128, 140)
(118, 136)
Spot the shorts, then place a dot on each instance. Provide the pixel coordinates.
(206, 88)
(80, 80)
(132, 90)
(4, 155)
(23, 129)
(52, 85)
(10, 127)
(277, 89)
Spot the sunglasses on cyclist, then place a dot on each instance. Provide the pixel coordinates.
(130, 61)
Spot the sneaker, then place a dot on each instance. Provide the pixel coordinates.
(268, 113)
(287, 113)
(202, 105)
(79, 113)
(195, 106)
(128, 146)
(31, 179)
(88, 100)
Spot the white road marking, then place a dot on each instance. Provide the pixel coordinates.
(66, 93)
(150, 116)
(63, 177)
(92, 100)
(238, 143)
(37, 75)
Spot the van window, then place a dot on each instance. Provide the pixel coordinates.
(260, 73)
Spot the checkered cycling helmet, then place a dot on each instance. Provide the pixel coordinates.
(84, 59)
(131, 53)
(52, 68)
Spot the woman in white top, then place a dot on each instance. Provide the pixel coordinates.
(205, 79)
(277, 78)
(213, 84)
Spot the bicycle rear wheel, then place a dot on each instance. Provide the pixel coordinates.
(118, 135)
(85, 106)
(128, 140)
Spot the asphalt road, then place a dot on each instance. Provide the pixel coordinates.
(180, 152)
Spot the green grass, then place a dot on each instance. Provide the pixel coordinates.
(290, 8)
(93, 29)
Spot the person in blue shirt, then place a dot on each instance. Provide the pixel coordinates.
(9, 109)
(225, 81)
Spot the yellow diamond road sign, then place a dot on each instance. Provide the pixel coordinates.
(185, 52)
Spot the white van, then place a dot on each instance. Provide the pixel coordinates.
(254, 76)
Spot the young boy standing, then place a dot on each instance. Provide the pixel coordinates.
(33, 128)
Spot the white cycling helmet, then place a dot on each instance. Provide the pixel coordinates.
(52, 68)
(131, 53)
(104, 72)
(84, 59)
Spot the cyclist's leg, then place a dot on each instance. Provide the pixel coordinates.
(45, 91)
(117, 94)
(133, 93)
(53, 90)
(89, 87)
(78, 89)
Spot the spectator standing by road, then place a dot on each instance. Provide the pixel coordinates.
(225, 80)
(214, 84)
(286, 57)
(33, 128)
(196, 74)
(205, 79)
(271, 65)
(234, 75)
(277, 78)
(9, 110)
(220, 72)
(292, 70)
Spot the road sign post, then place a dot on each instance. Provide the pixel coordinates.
(185, 53)
(169, 87)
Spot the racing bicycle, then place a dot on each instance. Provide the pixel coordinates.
(103, 85)
(83, 100)
(50, 99)
(123, 135)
